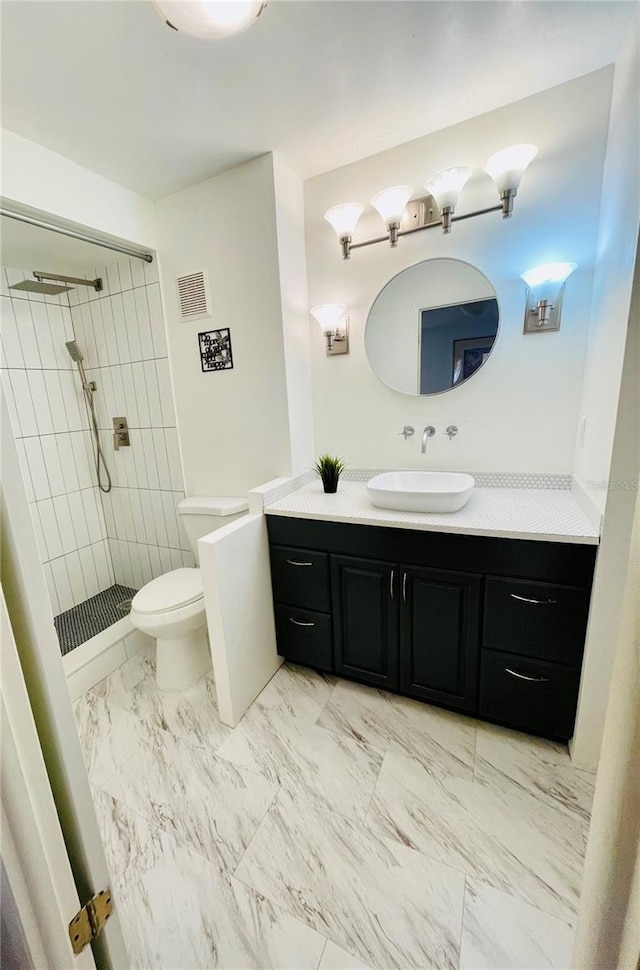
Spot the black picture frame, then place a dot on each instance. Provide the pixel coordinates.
(469, 355)
(216, 353)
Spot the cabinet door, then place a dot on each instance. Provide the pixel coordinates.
(439, 636)
(365, 619)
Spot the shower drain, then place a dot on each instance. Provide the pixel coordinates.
(124, 606)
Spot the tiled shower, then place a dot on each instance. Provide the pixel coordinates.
(90, 540)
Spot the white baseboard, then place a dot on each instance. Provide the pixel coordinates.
(95, 659)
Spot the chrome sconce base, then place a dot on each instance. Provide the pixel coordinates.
(338, 339)
(542, 314)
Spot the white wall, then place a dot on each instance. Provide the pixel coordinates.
(233, 425)
(520, 412)
(37, 178)
(613, 364)
(292, 261)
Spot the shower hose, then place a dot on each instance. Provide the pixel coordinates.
(98, 455)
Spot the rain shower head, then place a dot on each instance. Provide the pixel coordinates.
(74, 351)
(37, 286)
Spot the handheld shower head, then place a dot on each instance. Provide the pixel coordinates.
(74, 351)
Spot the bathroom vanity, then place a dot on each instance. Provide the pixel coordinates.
(490, 626)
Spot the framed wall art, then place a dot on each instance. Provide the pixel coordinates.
(215, 350)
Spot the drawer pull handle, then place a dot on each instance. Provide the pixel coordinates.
(525, 599)
(404, 587)
(535, 680)
(292, 562)
(391, 578)
(292, 619)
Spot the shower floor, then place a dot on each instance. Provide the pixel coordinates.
(94, 615)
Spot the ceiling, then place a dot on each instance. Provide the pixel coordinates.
(322, 83)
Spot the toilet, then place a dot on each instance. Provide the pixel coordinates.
(171, 607)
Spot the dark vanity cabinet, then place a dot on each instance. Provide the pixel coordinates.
(490, 627)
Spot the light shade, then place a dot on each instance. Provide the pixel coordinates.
(447, 185)
(507, 167)
(344, 217)
(328, 315)
(392, 202)
(209, 19)
(548, 273)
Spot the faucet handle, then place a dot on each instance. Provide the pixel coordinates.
(407, 431)
(451, 431)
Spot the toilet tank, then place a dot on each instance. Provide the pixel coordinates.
(204, 514)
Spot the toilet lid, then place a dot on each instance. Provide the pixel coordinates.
(169, 591)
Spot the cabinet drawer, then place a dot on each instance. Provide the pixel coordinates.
(300, 577)
(540, 620)
(304, 636)
(529, 694)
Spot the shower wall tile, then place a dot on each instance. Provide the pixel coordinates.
(121, 332)
(46, 411)
(88, 539)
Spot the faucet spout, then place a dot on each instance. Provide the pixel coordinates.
(428, 432)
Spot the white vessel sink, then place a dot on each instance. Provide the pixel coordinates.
(421, 491)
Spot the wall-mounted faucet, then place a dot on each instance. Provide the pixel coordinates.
(428, 432)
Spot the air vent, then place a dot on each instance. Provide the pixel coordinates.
(193, 295)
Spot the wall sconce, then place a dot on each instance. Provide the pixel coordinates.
(506, 168)
(334, 325)
(544, 296)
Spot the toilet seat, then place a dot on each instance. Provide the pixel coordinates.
(169, 592)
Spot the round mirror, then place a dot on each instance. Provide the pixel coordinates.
(432, 327)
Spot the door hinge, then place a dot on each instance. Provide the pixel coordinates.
(88, 922)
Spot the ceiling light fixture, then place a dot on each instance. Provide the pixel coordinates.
(334, 325)
(506, 168)
(211, 20)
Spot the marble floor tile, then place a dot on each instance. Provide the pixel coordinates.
(509, 841)
(389, 722)
(373, 898)
(335, 958)
(330, 770)
(107, 734)
(191, 715)
(182, 912)
(205, 802)
(501, 932)
(297, 691)
(533, 766)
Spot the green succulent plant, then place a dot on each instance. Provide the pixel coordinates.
(329, 468)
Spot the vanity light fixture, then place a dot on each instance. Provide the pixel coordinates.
(390, 205)
(544, 296)
(209, 19)
(445, 187)
(506, 168)
(344, 219)
(334, 325)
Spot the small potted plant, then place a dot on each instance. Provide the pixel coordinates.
(329, 469)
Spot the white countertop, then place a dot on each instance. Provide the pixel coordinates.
(545, 514)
